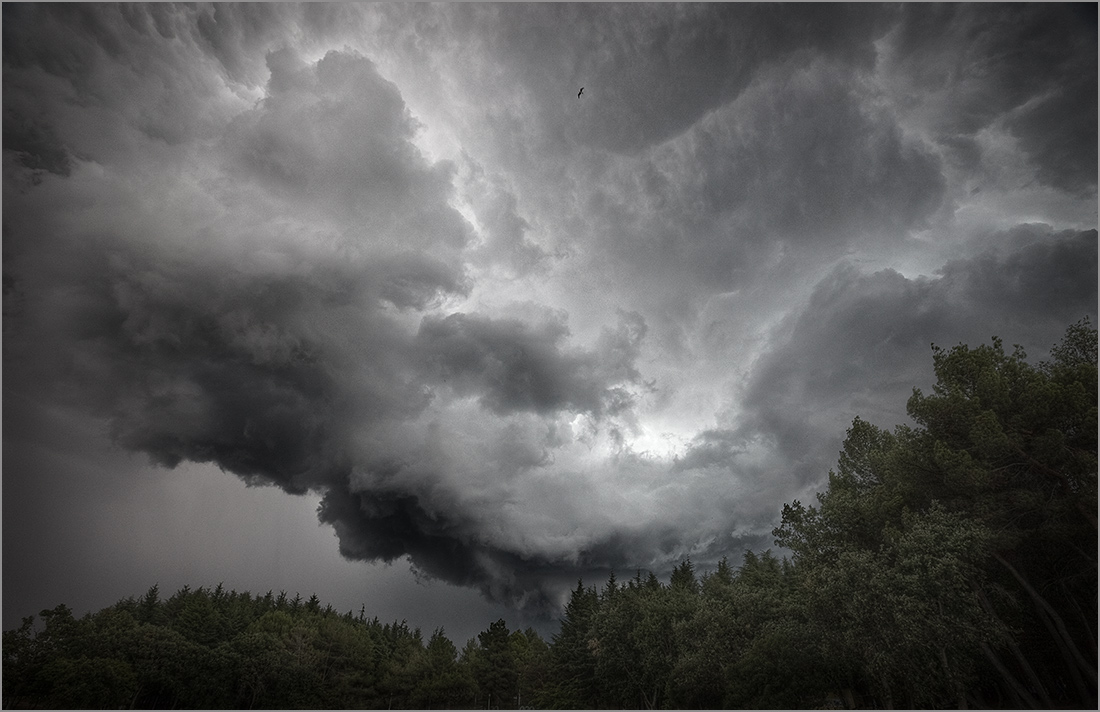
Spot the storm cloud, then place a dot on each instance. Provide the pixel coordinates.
(385, 258)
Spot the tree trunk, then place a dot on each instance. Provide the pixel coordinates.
(1089, 670)
(1014, 649)
(975, 700)
(1090, 514)
(1075, 674)
(960, 693)
(1014, 686)
(1085, 622)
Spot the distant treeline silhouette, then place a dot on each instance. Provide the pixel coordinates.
(951, 563)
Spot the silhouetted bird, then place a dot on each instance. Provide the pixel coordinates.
(580, 92)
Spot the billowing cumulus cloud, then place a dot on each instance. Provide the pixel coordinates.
(514, 367)
(799, 163)
(861, 343)
(506, 241)
(1022, 70)
(649, 72)
(384, 257)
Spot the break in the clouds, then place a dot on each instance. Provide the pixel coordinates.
(386, 257)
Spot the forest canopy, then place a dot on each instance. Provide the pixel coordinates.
(948, 563)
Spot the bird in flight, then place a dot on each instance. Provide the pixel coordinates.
(580, 92)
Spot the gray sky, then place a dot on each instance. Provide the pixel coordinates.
(365, 301)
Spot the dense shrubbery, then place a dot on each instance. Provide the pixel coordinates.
(950, 563)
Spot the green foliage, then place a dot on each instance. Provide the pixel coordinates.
(445, 684)
(929, 539)
(949, 563)
(87, 683)
(573, 663)
(683, 578)
(495, 669)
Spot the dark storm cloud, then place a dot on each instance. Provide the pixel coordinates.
(69, 39)
(34, 142)
(802, 157)
(1033, 64)
(1006, 53)
(1030, 275)
(262, 362)
(244, 372)
(862, 342)
(386, 526)
(1058, 133)
(227, 236)
(514, 366)
(219, 367)
(95, 83)
(336, 138)
(710, 448)
(237, 34)
(813, 161)
(803, 164)
(506, 240)
(416, 280)
(267, 348)
(651, 71)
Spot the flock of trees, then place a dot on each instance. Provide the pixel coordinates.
(950, 563)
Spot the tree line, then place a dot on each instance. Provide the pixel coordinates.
(948, 563)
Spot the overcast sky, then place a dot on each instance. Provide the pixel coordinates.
(365, 301)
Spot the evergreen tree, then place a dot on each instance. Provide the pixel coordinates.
(572, 660)
(1002, 466)
(496, 670)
